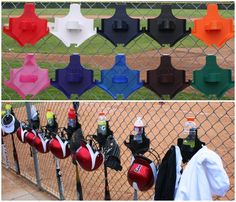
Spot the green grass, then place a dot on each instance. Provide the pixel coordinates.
(95, 45)
(93, 94)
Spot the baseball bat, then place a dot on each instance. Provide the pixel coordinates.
(78, 183)
(53, 132)
(135, 195)
(107, 191)
(5, 155)
(59, 179)
(15, 156)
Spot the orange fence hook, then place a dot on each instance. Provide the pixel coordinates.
(213, 28)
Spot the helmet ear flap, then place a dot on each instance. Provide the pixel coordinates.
(41, 143)
(21, 133)
(142, 173)
(88, 157)
(59, 148)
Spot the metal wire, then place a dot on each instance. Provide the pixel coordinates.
(143, 53)
(164, 124)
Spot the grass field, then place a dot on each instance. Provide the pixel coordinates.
(95, 45)
(140, 45)
(93, 94)
(51, 44)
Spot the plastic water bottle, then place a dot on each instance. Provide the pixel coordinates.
(34, 113)
(138, 130)
(102, 123)
(190, 128)
(72, 118)
(8, 108)
(50, 117)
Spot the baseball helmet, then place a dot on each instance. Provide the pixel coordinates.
(30, 137)
(88, 158)
(41, 143)
(59, 147)
(142, 173)
(21, 132)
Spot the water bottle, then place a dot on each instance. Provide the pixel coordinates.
(72, 118)
(138, 130)
(102, 123)
(190, 128)
(34, 113)
(50, 117)
(8, 108)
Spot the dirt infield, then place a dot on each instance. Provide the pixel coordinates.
(190, 60)
(163, 126)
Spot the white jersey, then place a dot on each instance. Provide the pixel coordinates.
(203, 177)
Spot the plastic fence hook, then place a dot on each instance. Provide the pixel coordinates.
(28, 28)
(73, 28)
(166, 28)
(213, 28)
(120, 79)
(120, 28)
(166, 80)
(212, 79)
(74, 79)
(30, 79)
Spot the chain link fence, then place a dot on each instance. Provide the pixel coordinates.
(97, 53)
(164, 125)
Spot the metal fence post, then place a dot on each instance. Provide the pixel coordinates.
(34, 151)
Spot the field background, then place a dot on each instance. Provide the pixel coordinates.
(142, 53)
(164, 125)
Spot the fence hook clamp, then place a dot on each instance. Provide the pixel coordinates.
(73, 79)
(120, 79)
(166, 28)
(212, 79)
(74, 28)
(120, 28)
(213, 28)
(30, 79)
(28, 28)
(166, 80)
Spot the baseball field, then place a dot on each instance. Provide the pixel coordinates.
(143, 53)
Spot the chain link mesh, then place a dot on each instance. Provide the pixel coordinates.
(164, 124)
(143, 53)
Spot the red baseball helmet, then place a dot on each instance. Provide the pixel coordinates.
(88, 158)
(41, 144)
(30, 136)
(59, 147)
(21, 132)
(142, 173)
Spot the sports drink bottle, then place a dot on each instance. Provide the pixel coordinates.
(190, 128)
(138, 130)
(102, 123)
(71, 118)
(50, 117)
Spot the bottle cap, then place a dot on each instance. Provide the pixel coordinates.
(139, 122)
(49, 114)
(101, 114)
(191, 118)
